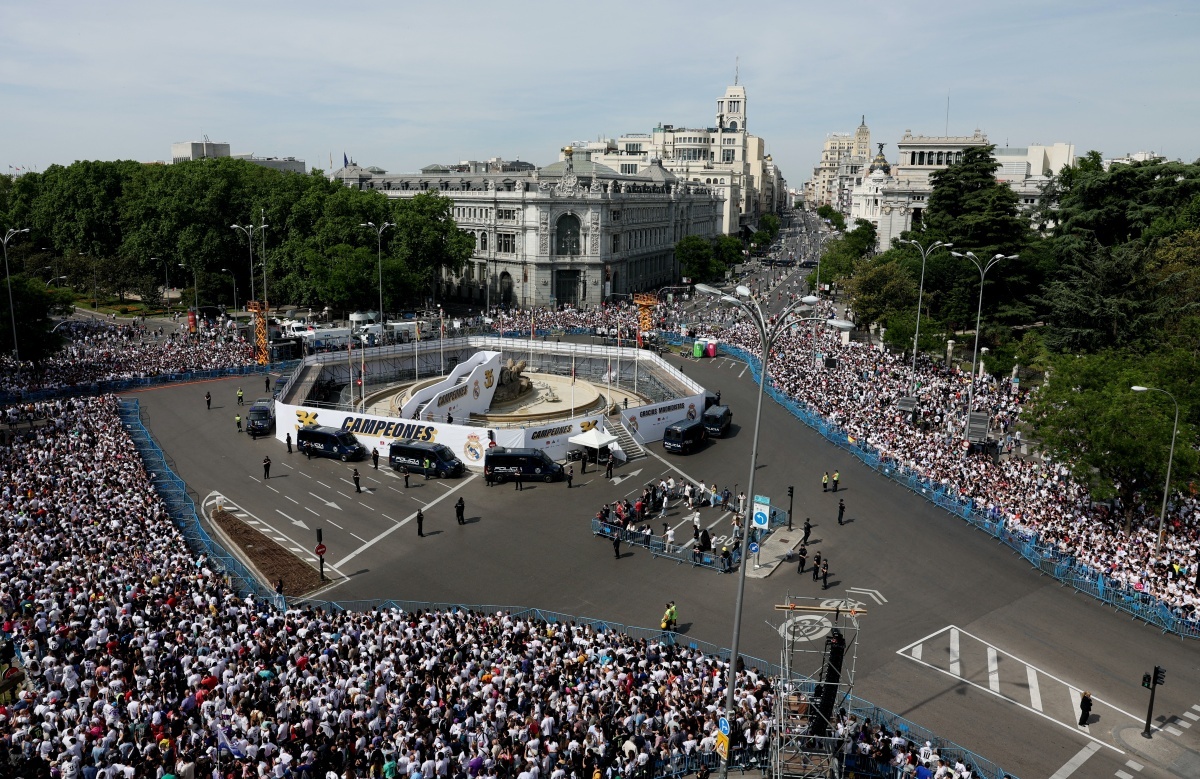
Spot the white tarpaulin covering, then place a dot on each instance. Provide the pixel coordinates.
(593, 439)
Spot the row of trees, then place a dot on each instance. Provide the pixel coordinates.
(113, 228)
(704, 260)
(1102, 295)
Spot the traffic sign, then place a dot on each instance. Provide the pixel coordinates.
(723, 726)
(753, 547)
(762, 511)
(722, 746)
(320, 550)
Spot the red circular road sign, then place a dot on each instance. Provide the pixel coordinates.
(320, 550)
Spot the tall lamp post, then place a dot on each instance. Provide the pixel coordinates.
(12, 312)
(166, 282)
(983, 266)
(1162, 516)
(925, 252)
(233, 276)
(248, 230)
(379, 259)
(767, 332)
(195, 287)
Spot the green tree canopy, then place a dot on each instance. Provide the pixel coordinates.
(695, 257)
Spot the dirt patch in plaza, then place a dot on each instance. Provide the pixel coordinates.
(271, 560)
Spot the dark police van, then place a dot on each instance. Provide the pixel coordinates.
(411, 454)
(717, 420)
(501, 463)
(329, 442)
(261, 419)
(684, 437)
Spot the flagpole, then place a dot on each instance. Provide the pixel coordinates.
(572, 381)
(532, 334)
(618, 351)
(442, 339)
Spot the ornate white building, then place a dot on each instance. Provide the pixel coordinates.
(724, 157)
(574, 232)
(893, 198)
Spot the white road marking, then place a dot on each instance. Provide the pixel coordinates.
(323, 484)
(368, 544)
(1075, 697)
(1191, 716)
(310, 511)
(1135, 765)
(285, 465)
(1035, 692)
(916, 652)
(293, 500)
(385, 516)
(360, 538)
(339, 527)
(1173, 731)
(955, 655)
(305, 475)
(993, 670)
(1072, 765)
(1180, 723)
(253, 479)
(390, 487)
(1123, 775)
(344, 495)
(272, 489)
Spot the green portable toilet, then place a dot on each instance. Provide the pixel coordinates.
(698, 348)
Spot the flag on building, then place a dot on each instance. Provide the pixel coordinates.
(345, 160)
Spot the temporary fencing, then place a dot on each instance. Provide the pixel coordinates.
(1044, 556)
(182, 508)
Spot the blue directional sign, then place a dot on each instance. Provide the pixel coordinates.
(753, 547)
(723, 726)
(762, 511)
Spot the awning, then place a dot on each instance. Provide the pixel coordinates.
(593, 439)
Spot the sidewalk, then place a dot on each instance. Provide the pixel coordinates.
(775, 551)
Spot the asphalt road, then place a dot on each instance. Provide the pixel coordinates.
(964, 637)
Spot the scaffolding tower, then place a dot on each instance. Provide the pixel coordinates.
(259, 313)
(818, 655)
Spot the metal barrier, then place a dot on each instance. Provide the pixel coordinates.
(182, 509)
(117, 386)
(1029, 545)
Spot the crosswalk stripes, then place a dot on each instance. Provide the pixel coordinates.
(971, 660)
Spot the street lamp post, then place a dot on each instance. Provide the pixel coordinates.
(195, 287)
(12, 311)
(925, 252)
(54, 280)
(379, 259)
(166, 282)
(983, 266)
(248, 230)
(1162, 516)
(233, 276)
(767, 333)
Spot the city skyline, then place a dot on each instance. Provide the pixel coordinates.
(402, 86)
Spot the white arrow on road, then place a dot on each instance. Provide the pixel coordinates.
(875, 595)
(328, 503)
(624, 476)
(296, 522)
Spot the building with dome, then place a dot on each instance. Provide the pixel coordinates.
(574, 232)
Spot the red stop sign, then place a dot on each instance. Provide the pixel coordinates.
(320, 550)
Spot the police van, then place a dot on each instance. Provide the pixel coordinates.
(717, 420)
(261, 418)
(501, 463)
(684, 437)
(329, 442)
(412, 454)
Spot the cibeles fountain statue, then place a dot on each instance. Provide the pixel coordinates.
(512, 384)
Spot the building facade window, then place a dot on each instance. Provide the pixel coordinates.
(483, 242)
(566, 235)
(616, 243)
(506, 243)
(629, 169)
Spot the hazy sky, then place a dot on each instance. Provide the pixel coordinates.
(403, 84)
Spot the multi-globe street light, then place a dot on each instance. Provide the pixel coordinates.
(983, 266)
(12, 311)
(248, 230)
(925, 252)
(1162, 516)
(768, 332)
(233, 276)
(379, 259)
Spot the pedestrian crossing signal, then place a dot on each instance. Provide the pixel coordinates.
(1146, 681)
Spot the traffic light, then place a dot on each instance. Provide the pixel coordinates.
(790, 489)
(1160, 676)
(318, 535)
(1146, 681)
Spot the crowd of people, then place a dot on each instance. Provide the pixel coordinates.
(136, 658)
(1033, 496)
(98, 350)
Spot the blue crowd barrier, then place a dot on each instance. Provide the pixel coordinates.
(1030, 546)
(117, 386)
(182, 510)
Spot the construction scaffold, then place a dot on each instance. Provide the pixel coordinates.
(819, 650)
(259, 312)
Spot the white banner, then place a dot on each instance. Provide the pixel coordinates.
(647, 423)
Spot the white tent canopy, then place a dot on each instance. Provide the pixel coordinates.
(593, 439)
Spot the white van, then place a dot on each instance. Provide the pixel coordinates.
(409, 330)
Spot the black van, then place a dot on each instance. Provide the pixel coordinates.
(500, 463)
(717, 421)
(411, 454)
(261, 417)
(329, 442)
(684, 437)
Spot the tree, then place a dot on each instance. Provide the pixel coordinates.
(770, 224)
(33, 302)
(879, 290)
(727, 252)
(972, 209)
(695, 257)
(841, 256)
(1114, 440)
(1141, 201)
(833, 216)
